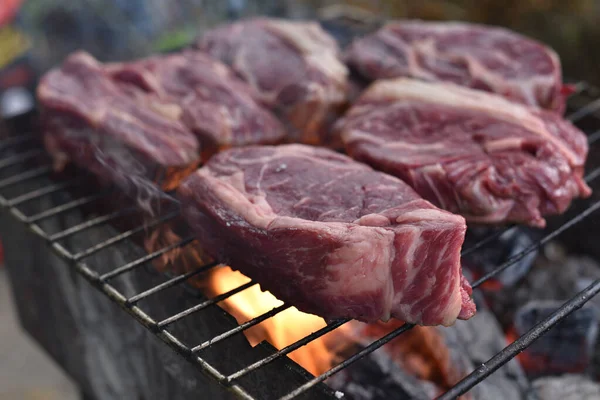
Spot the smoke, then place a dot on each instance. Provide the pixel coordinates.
(114, 162)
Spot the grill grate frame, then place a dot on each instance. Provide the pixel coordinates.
(587, 105)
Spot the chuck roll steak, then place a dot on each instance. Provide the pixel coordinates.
(217, 106)
(295, 67)
(117, 132)
(477, 56)
(329, 235)
(468, 151)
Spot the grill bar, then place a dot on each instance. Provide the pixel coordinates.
(19, 158)
(511, 261)
(487, 240)
(205, 304)
(594, 137)
(119, 238)
(160, 329)
(35, 173)
(362, 353)
(288, 349)
(36, 194)
(170, 283)
(241, 327)
(140, 261)
(92, 223)
(584, 111)
(510, 351)
(66, 207)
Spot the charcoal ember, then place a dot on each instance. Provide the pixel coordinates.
(486, 259)
(379, 377)
(434, 359)
(479, 339)
(554, 275)
(566, 387)
(568, 347)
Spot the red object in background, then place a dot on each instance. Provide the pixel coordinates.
(8, 10)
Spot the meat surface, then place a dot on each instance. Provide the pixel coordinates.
(468, 151)
(477, 56)
(217, 106)
(329, 235)
(293, 66)
(116, 132)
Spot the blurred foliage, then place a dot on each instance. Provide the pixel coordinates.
(122, 29)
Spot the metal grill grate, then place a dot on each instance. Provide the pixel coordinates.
(19, 150)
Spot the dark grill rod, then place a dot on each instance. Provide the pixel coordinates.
(13, 140)
(288, 349)
(584, 111)
(46, 190)
(584, 214)
(34, 173)
(140, 261)
(91, 223)
(487, 240)
(593, 137)
(66, 207)
(510, 351)
(18, 158)
(122, 236)
(346, 363)
(580, 87)
(592, 175)
(205, 304)
(241, 327)
(171, 282)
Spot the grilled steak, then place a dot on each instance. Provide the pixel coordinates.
(215, 104)
(468, 151)
(294, 66)
(329, 235)
(118, 132)
(485, 58)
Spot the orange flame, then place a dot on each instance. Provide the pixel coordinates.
(281, 330)
(421, 351)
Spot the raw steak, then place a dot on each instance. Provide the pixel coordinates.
(118, 133)
(294, 66)
(481, 57)
(468, 151)
(329, 235)
(215, 104)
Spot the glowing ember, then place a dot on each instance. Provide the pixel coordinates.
(281, 330)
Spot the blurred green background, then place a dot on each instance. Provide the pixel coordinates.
(121, 29)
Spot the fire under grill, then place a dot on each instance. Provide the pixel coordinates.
(20, 167)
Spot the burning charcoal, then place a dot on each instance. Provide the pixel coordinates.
(568, 347)
(379, 377)
(566, 387)
(554, 275)
(436, 356)
(478, 339)
(488, 258)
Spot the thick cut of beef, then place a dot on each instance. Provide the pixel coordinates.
(468, 151)
(211, 101)
(329, 235)
(117, 132)
(481, 57)
(293, 66)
